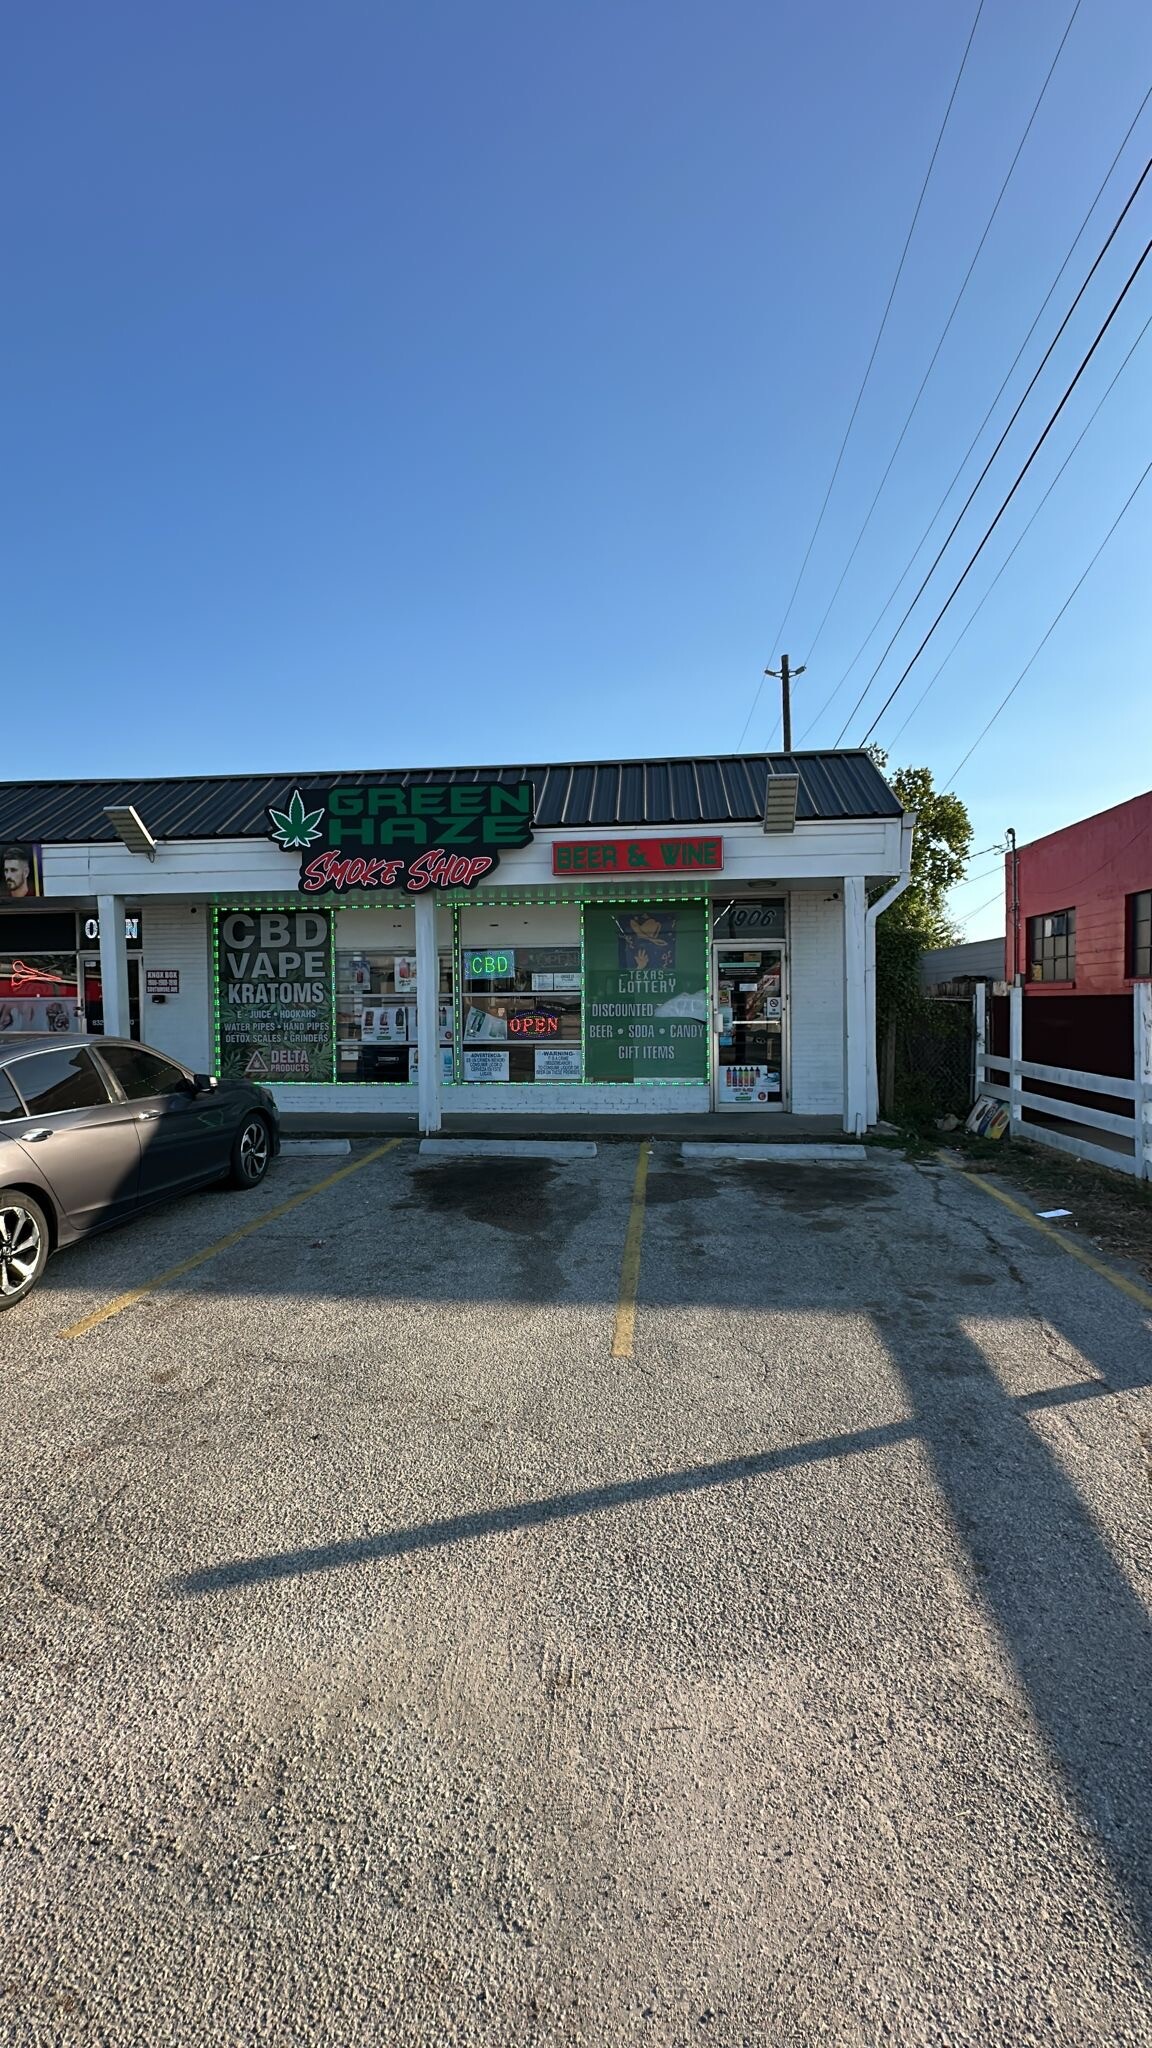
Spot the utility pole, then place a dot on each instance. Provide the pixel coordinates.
(1015, 975)
(785, 675)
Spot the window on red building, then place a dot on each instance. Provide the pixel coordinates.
(1140, 936)
(1052, 946)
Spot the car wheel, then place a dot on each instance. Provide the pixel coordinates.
(251, 1153)
(24, 1245)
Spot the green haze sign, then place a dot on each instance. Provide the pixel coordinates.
(412, 836)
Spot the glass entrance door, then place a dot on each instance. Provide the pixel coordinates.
(748, 1022)
(94, 996)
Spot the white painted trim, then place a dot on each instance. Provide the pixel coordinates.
(224, 869)
(1142, 1071)
(1016, 1054)
(1120, 1162)
(113, 967)
(1079, 1113)
(875, 912)
(1055, 1105)
(1065, 1077)
(856, 1074)
(1024, 1104)
(427, 1014)
(980, 1034)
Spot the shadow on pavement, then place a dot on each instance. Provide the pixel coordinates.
(1071, 1623)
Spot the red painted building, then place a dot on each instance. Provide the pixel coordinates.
(1078, 907)
(1081, 911)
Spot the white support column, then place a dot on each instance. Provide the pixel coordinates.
(427, 1013)
(870, 1020)
(980, 1036)
(1142, 1074)
(114, 966)
(1015, 1055)
(855, 1008)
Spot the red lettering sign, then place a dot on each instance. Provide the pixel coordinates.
(636, 856)
(533, 1024)
(434, 869)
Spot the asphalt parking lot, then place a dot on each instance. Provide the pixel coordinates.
(387, 1658)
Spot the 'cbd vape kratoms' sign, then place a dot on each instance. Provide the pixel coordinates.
(274, 994)
(443, 835)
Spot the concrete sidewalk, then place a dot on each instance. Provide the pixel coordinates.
(770, 1129)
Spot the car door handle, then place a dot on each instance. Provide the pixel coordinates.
(36, 1137)
(146, 1116)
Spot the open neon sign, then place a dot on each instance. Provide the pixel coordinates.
(533, 1024)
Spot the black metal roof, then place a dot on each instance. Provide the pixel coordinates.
(716, 789)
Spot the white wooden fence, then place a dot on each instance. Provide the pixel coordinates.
(1125, 1138)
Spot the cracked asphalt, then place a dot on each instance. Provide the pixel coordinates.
(381, 1660)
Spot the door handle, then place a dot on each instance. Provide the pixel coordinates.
(36, 1137)
(146, 1116)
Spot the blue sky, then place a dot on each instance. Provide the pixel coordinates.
(418, 385)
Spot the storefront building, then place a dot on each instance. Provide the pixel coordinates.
(618, 937)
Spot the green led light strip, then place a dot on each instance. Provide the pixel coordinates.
(216, 992)
(455, 902)
(457, 1080)
(584, 1082)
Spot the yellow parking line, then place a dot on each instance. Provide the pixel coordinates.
(1132, 1288)
(630, 1265)
(123, 1301)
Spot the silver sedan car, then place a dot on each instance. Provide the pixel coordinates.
(94, 1129)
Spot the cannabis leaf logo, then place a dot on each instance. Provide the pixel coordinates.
(295, 827)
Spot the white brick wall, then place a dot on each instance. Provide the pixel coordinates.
(343, 1098)
(816, 933)
(615, 1099)
(177, 935)
(612, 1098)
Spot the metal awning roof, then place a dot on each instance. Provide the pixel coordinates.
(711, 790)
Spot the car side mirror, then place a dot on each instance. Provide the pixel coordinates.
(204, 1084)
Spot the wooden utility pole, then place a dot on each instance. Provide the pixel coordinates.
(785, 675)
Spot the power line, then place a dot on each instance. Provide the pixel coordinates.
(990, 529)
(945, 330)
(970, 880)
(872, 358)
(1052, 628)
(934, 679)
(987, 416)
(966, 916)
(1025, 394)
(987, 466)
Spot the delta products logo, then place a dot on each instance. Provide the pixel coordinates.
(412, 836)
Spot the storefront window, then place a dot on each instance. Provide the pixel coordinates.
(39, 993)
(518, 970)
(520, 1013)
(646, 969)
(376, 998)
